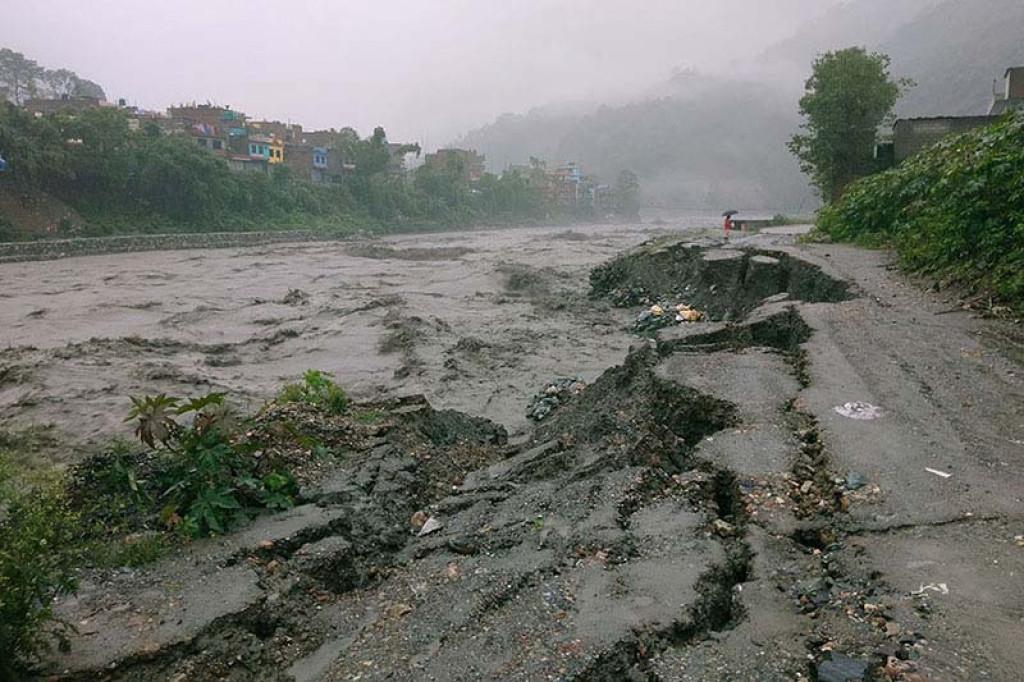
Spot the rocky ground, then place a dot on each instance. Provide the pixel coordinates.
(822, 479)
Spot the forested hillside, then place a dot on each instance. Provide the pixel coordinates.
(712, 142)
(954, 51)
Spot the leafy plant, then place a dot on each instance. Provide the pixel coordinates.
(954, 211)
(37, 528)
(319, 389)
(153, 415)
(206, 479)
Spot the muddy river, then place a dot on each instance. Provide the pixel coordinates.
(476, 321)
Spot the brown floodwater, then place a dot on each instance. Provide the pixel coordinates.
(477, 321)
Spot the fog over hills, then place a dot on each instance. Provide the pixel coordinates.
(704, 141)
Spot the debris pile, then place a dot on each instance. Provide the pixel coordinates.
(664, 315)
(556, 394)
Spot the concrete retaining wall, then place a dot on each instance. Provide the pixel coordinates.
(65, 248)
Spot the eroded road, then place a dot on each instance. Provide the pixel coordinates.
(702, 511)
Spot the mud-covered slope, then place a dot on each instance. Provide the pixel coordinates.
(726, 282)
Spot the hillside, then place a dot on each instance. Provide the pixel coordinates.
(859, 22)
(711, 142)
(30, 213)
(696, 149)
(954, 51)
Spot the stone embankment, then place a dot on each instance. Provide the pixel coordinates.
(92, 246)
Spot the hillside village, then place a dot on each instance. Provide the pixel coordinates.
(248, 145)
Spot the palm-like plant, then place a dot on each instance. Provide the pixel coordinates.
(155, 418)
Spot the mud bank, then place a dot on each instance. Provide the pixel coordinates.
(727, 283)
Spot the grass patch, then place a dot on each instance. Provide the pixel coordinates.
(318, 389)
(368, 417)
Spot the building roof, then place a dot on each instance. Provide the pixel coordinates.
(941, 118)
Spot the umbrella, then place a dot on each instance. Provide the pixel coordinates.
(731, 212)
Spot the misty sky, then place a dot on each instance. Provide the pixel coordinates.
(427, 70)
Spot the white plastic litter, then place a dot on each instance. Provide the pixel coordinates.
(860, 411)
(940, 588)
(430, 526)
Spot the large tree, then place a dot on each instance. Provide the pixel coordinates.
(18, 75)
(61, 82)
(627, 193)
(849, 95)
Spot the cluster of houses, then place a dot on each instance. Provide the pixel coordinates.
(255, 146)
(911, 135)
(567, 186)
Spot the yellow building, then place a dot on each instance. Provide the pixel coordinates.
(267, 147)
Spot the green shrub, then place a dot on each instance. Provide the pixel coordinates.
(205, 477)
(954, 211)
(317, 388)
(37, 528)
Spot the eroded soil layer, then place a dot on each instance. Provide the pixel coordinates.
(726, 282)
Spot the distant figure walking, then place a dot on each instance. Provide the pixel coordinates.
(728, 222)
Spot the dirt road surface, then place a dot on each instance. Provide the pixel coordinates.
(822, 480)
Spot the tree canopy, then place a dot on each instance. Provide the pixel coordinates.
(849, 95)
(119, 178)
(22, 78)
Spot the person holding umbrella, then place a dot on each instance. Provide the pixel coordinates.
(728, 221)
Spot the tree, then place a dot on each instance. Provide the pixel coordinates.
(847, 98)
(87, 88)
(18, 75)
(627, 193)
(61, 82)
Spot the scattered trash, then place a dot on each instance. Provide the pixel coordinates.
(842, 669)
(460, 546)
(855, 481)
(860, 411)
(660, 316)
(556, 394)
(942, 474)
(431, 525)
(940, 588)
(418, 520)
(724, 528)
(1019, 539)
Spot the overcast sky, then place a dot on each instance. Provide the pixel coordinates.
(427, 70)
